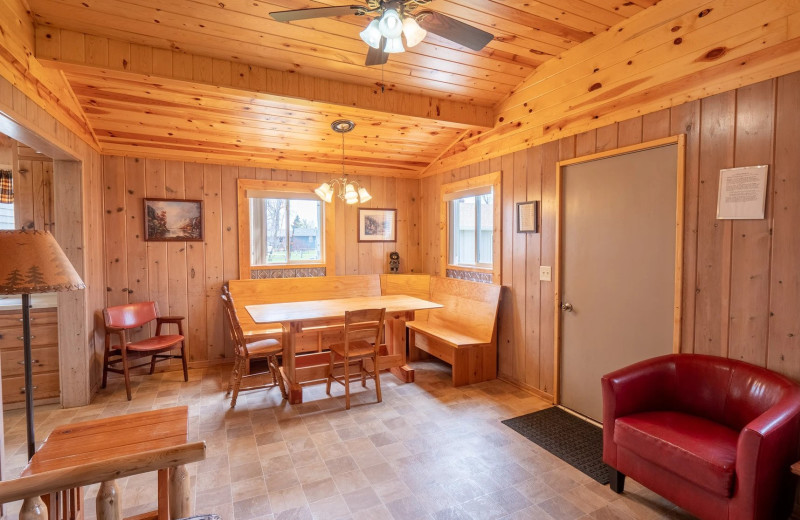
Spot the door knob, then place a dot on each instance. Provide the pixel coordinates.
(566, 307)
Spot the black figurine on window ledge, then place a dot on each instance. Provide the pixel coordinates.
(394, 262)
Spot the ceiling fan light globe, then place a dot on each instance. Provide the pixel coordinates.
(390, 24)
(371, 35)
(413, 32)
(363, 195)
(393, 45)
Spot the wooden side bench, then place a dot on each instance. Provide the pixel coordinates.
(463, 332)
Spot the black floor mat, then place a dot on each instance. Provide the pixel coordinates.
(570, 438)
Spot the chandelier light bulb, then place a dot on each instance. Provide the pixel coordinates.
(413, 32)
(390, 25)
(371, 35)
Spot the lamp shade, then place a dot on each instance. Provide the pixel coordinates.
(324, 192)
(33, 262)
(413, 32)
(350, 195)
(371, 35)
(363, 195)
(390, 25)
(393, 45)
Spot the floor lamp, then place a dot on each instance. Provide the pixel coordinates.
(32, 262)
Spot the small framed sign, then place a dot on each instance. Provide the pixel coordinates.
(528, 217)
(742, 192)
(377, 225)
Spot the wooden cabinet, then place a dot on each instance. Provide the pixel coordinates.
(44, 347)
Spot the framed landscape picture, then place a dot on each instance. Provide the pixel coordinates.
(173, 220)
(377, 225)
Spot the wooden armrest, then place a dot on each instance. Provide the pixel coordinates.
(170, 319)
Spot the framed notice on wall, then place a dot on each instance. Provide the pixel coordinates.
(742, 193)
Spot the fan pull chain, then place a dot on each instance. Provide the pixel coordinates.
(383, 82)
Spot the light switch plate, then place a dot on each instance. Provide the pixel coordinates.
(545, 273)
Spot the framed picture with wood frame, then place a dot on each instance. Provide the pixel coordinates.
(173, 220)
(377, 225)
(528, 217)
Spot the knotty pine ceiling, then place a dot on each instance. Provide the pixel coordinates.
(153, 112)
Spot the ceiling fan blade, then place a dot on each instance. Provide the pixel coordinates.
(453, 30)
(316, 12)
(377, 56)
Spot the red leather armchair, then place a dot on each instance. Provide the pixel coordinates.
(713, 435)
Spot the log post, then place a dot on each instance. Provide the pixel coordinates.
(33, 509)
(109, 501)
(180, 501)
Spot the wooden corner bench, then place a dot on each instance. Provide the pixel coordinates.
(463, 332)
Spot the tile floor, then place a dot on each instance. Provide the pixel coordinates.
(429, 451)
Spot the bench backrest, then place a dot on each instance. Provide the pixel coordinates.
(469, 307)
(284, 290)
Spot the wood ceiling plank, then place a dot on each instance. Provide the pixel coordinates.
(352, 96)
(620, 46)
(521, 43)
(541, 16)
(190, 154)
(349, 69)
(581, 8)
(352, 25)
(287, 44)
(664, 61)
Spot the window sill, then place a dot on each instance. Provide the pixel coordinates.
(470, 268)
(287, 266)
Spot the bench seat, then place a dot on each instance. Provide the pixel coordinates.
(445, 334)
(461, 333)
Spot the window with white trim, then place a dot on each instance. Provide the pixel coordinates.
(285, 229)
(471, 229)
(470, 224)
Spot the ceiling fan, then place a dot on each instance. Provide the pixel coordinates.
(393, 19)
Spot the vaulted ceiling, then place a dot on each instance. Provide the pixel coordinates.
(219, 80)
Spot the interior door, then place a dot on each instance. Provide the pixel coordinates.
(620, 223)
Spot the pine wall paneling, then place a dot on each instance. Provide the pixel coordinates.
(39, 111)
(186, 278)
(741, 286)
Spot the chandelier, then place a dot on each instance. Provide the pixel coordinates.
(349, 191)
(395, 20)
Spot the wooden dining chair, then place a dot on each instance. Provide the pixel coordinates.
(119, 321)
(362, 341)
(245, 352)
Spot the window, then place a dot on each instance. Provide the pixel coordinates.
(285, 231)
(7, 215)
(471, 225)
(283, 225)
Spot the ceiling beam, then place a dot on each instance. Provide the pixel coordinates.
(669, 54)
(64, 49)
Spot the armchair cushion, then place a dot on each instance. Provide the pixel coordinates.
(701, 450)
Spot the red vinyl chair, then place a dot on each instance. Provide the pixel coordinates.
(715, 436)
(120, 320)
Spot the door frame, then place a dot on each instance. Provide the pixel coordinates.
(680, 140)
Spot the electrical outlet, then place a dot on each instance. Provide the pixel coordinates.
(545, 273)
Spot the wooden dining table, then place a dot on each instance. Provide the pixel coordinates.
(296, 316)
(81, 443)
